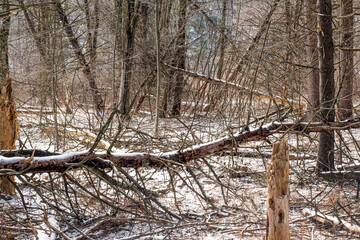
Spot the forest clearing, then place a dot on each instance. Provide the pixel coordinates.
(186, 119)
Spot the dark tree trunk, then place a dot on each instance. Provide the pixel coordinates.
(313, 101)
(347, 60)
(325, 160)
(180, 58)
(129, 29)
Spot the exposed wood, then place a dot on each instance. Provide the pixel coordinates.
(277, 221)
(331, 220)
(8, 123)
(8, 128)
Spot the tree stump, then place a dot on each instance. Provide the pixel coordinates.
(277, 223)
(8, 129)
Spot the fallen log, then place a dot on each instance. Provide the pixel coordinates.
(59, 163)
(341, 175)
(235, 86)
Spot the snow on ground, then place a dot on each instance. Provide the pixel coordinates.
(220, 197)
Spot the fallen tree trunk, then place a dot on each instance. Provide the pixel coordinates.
(59, 163)
(341, 175)
(235, 86)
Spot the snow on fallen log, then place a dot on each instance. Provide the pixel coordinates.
(325, 219)
(59, 163)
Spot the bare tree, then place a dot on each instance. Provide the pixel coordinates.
(325, 160)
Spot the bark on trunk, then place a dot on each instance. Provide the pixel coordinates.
(277, 222)
(347, 61)
(312, 57)
(180, 58)
(325, 160)
(128, 45)
(117, 53)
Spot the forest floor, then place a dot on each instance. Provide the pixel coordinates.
(222, 196)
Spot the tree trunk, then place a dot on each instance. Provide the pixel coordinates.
(8, 124)
(313, 101)
(158, 65)
(220, 69)
(92, 24)
(117, 53)
(128, 50)
(325, 160)
(180, 58)
(347, 60)
(277, 222)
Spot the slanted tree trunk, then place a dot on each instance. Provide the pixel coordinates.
(180, 58)
(325, 160)
(87, 71)
(41, 41)
(8, 124)
(313, 101)
(347, 60)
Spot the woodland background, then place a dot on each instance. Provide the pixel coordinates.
(187, 96)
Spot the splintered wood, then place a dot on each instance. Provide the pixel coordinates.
(277, 223)
(8, 129)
